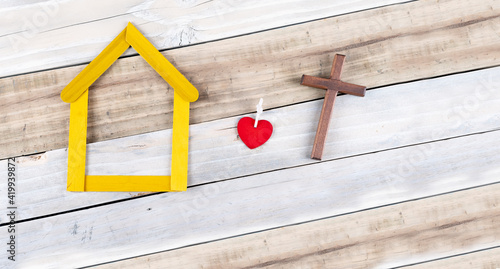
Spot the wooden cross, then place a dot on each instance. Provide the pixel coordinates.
(333, 85)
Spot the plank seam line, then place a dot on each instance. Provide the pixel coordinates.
(375, 88)
(71, 25)
(448, 257)
(243, 176)
(351, 156)
(342, 94)
(26, 155)
(431, 77)
(310, 221)
(298, 103)
(204, 42)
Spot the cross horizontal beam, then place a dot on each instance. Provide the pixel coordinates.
(333, 84)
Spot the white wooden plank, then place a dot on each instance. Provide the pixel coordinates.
(255, 203)
(42, 35)
(387, 237)
(386, 118)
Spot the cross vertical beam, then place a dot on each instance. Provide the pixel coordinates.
(332, 85)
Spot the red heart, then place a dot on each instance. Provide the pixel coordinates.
(254, 137)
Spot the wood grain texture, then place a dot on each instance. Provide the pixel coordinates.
(323, 125)
(264, 201)
(39, 36)
(447, 107)
(386, 237)
(476, 260)
(385, 46)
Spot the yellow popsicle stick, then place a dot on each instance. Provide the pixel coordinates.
(77, 146)
(128, 183)
(166, 70)
(180, 143)
(95, 68)
(76, 92)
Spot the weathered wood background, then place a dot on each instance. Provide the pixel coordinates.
(410, 175)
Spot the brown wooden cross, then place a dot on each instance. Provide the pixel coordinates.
(333, 85)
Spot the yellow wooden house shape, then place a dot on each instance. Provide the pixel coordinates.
(76, 93)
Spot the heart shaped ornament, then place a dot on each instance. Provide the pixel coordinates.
(251, 136)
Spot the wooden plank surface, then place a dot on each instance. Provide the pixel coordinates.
(39, 36)
(384, 46)
(489, 258)
(255, 203)
(410, 177)
(448, 107)
(385, 237)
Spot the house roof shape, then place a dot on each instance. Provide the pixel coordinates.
(130, 36)
(76, 93)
